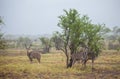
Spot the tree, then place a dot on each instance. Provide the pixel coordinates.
(22, 41)
(57, 40)
(79, 31)
(46, 42)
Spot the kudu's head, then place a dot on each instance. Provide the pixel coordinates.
(28, 48)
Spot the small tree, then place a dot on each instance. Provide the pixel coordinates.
(57, 40)
(46, 42)
(22, 41)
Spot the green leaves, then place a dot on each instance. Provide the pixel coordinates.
(94, 37)
(47, 43)
(79, 30)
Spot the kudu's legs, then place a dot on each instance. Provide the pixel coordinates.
(73, 62)
(38, 60)
(30, 60)
(84, 63)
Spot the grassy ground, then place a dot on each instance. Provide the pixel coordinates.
(15, 65)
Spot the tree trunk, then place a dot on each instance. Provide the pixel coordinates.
(67, 61)
(67, 57)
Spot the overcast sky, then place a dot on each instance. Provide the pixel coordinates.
(35, 17)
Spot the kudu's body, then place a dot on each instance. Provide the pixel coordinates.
(90, 56)
(33, 54)
(76, 57)
(83, 57)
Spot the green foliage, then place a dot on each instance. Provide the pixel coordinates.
(22, 41)
(70, 25)
(46, 42)
(93, 35)
(78, 30)
(58, 42)
(2, 40)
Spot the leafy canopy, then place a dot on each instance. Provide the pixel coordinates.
(79, 31)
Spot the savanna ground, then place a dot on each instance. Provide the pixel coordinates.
(15, 65)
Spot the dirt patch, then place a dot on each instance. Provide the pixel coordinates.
(108, 74)
(97, 74)
(9, 75)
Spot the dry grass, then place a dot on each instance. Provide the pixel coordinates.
(15, 65)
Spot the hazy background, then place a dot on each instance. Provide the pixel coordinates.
(33, 17)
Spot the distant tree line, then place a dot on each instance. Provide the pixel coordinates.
(114, 38)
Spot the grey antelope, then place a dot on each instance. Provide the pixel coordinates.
(33, 54)
(83, 57)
